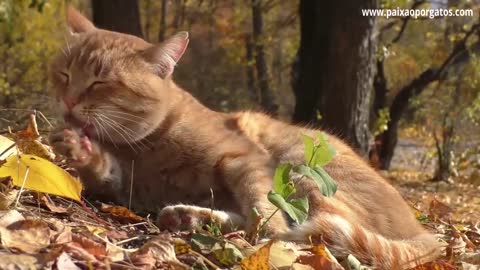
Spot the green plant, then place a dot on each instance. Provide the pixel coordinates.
(317, 155)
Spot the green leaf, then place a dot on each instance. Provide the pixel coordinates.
(325, 183)
(323, 153)
(203, 242)
(296, 209)
(227, 253)
(281, 180)
(309, 146)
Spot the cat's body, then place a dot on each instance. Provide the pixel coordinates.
(143, 131)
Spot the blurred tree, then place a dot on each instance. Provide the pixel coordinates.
(117, 15)
(163, 21)
(336, 68)
(457, 57)
(267, 99)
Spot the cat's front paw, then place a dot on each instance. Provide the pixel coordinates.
(76, 147)
(183, 217)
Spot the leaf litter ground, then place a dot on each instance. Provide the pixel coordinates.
(41, 231)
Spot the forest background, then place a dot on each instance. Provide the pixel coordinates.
(403, 91)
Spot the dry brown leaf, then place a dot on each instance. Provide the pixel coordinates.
(114, 253)
(456, 245)
(320, 258)
(19, 261)
(258, 260)
(438, 265)
(157, 252)
(29, 141)
(121, 213)
(50, 205)
(93, 247)
(76, 251)
(115, 235)
(439, 210)
(64, 262)
(9, 217)
(30, 235)
(7, 198)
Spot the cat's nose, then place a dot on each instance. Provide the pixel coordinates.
(69, 102)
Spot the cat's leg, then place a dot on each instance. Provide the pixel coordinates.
(250, 177)
(188, 217)
(99, 171)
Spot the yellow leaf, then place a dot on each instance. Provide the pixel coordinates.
(258, 260)
(43, 176)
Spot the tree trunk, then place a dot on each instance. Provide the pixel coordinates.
(163, 21)
(267, 100)
(250, 69)
(117, 15)
(337, 65)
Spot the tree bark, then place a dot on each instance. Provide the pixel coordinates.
(336, 68)
(117, 15)
(267, 100)
(250, 69)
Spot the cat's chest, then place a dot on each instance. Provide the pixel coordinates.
(157, 178)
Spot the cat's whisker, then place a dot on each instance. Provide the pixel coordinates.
(119, 117)
(105, 131)
(104, 109)
(126, 130)
(68, 46)
(115, 128)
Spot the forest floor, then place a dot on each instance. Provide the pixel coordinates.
(46, 231)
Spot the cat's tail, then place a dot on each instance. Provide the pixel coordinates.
(344, 238)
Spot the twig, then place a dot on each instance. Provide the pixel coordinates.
(131, 187)
(23, 185)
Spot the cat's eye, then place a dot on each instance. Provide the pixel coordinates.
(94, 84)
(65, 76)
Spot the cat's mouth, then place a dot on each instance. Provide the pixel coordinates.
(87, 128)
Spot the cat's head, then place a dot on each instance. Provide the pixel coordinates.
(113, 86)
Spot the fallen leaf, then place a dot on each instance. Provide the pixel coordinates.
(226, 253)
(121, 213)
(93, 247)
(456, 245)
(439, 210)
(19, 261)
(283, 254)
(30, 235)
(29, 141)
(64, 262)
(50, 205)
(157, 252)
(181, 247)
(7, 198)
(258, 260)
(43, 176)
(7, 148)
(320, 258)
(114, 253)
(9, 217)
(437, 265)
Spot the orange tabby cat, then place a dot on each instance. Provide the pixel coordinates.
(121, 108)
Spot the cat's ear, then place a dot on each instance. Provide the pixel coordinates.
(77, 23)
(166, 55)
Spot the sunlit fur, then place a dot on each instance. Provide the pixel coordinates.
(183, 152)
